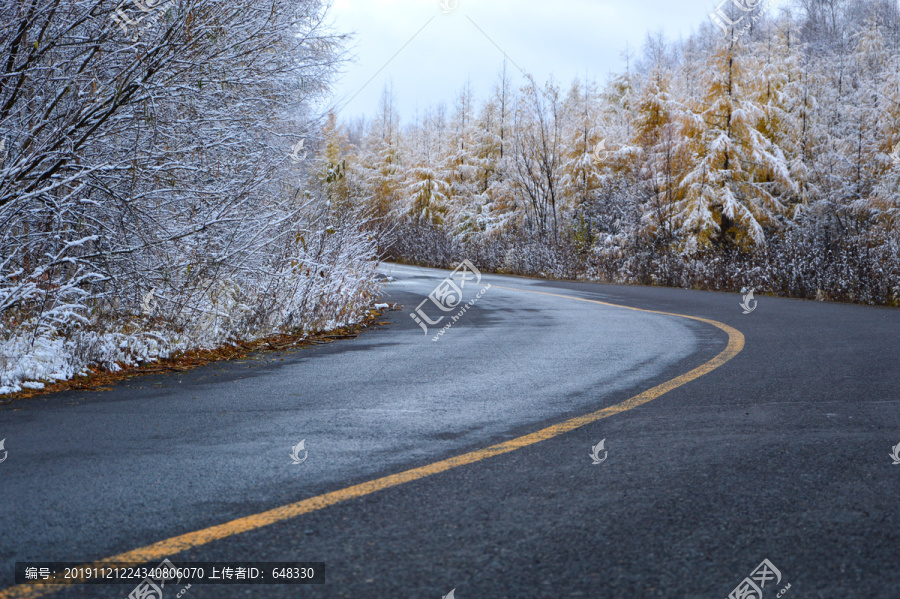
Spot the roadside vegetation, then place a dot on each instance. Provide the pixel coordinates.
(150, 205)
(768, 159)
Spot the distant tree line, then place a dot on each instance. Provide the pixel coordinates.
(767, 159)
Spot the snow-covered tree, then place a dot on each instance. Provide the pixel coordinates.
(739, 176)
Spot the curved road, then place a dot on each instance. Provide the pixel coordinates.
(778, 449)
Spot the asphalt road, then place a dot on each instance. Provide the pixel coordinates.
(781, 453)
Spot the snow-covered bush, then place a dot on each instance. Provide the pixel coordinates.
(148, 203)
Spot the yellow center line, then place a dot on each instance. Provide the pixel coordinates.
(168, 547)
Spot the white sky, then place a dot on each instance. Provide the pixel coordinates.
(565, 38)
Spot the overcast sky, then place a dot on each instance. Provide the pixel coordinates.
(565, 38)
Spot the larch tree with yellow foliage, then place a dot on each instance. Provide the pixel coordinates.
(739, 176)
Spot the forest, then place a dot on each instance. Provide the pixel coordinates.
(765, 156)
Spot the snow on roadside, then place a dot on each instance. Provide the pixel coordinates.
(30, 360)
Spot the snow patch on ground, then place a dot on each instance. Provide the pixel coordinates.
(29, 359)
